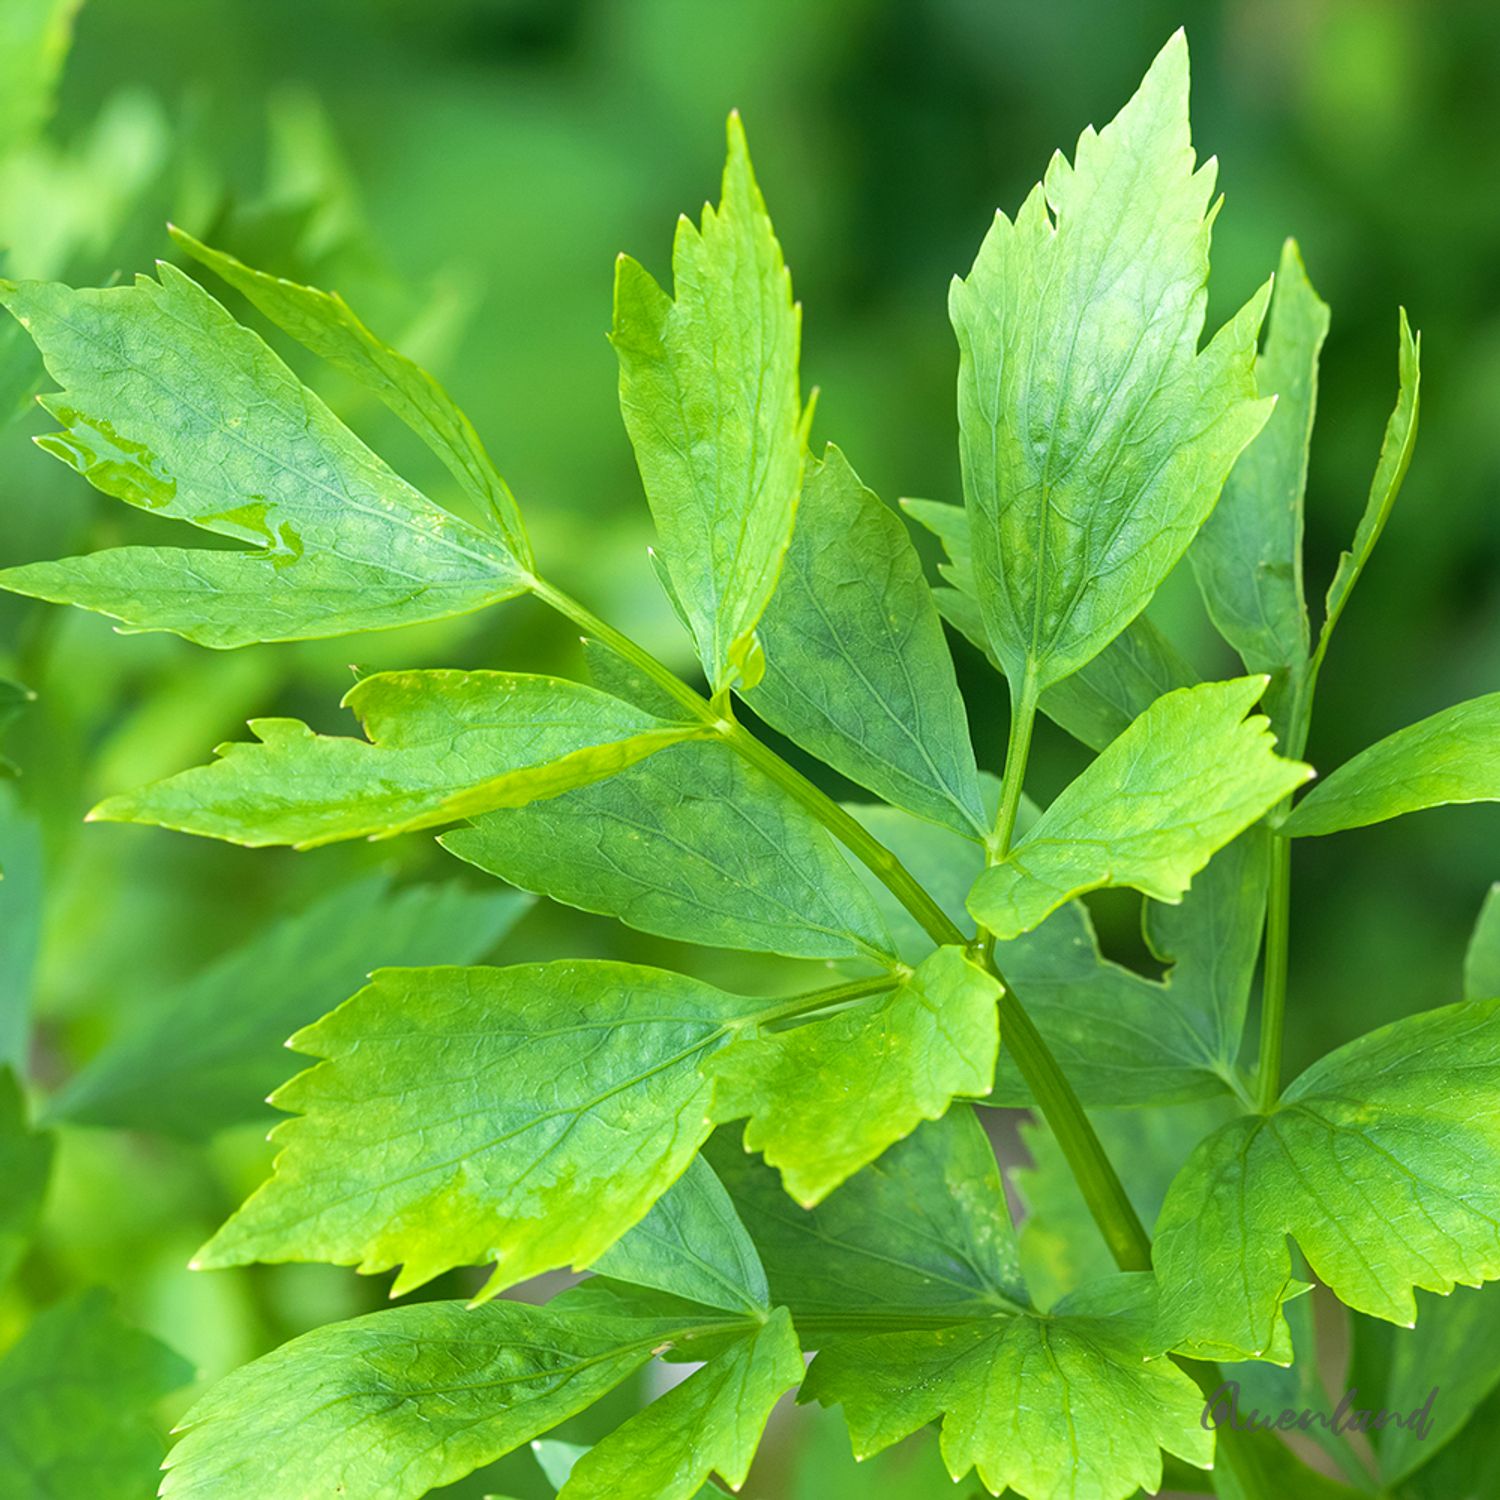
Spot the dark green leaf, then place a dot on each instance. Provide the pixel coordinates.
(692, 1245)
(25, 1166)
(693, 844)
(857, 670)
(922, 1234)
(1248, 557)
(21, 895)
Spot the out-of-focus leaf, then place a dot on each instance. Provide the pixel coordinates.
(1450, 1359)
(527, 1116)
(34, 40)
(711, 1422)
(1382, 1160)
(830, 1095)
(21, 895)
(213, 1046)
(1453, 756)
(326, 324)
(25, 1165)
(1063, 1404)
(172, 406)
(1189, 774)
(693, 843)
(709, 389)
(1248, 557)
(442, 746)
(1482, 961)
(13, 701)
(76, 1395)
(922, 1232)
(1095, 436)
(398, 1403)
(857, 670)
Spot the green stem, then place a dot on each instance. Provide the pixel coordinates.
(1279, 904)
(846, 828)
(1273, 987)
(1017, 752)
(835, 994)
(1101, 1186)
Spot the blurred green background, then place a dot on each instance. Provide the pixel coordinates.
(466, 171)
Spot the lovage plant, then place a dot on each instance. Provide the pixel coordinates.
(746, 1178)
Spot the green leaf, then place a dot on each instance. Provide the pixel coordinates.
(1382, 1160)
(1121, 1038)
(1181, 782)
(172, 406)
(1390, 470)
(324, 323)
(25, 1167)
(34, 40)
(1211, 942)
(692, 1245)
(830, 1095)
(711, 1422)
(1482, 961)
(1248, 557)
(527, 1116)
(692, 844)
(76, 1399)
(397, 1403)
(442, 746)
(1454, 756)
(922, 1234)
(857, 670)
(1126, 1040)
(1095, 437)
(213, 1046)
(709, 390)
(1100, 699)
(1062, 1404)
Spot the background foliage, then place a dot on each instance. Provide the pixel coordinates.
(467, 172)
